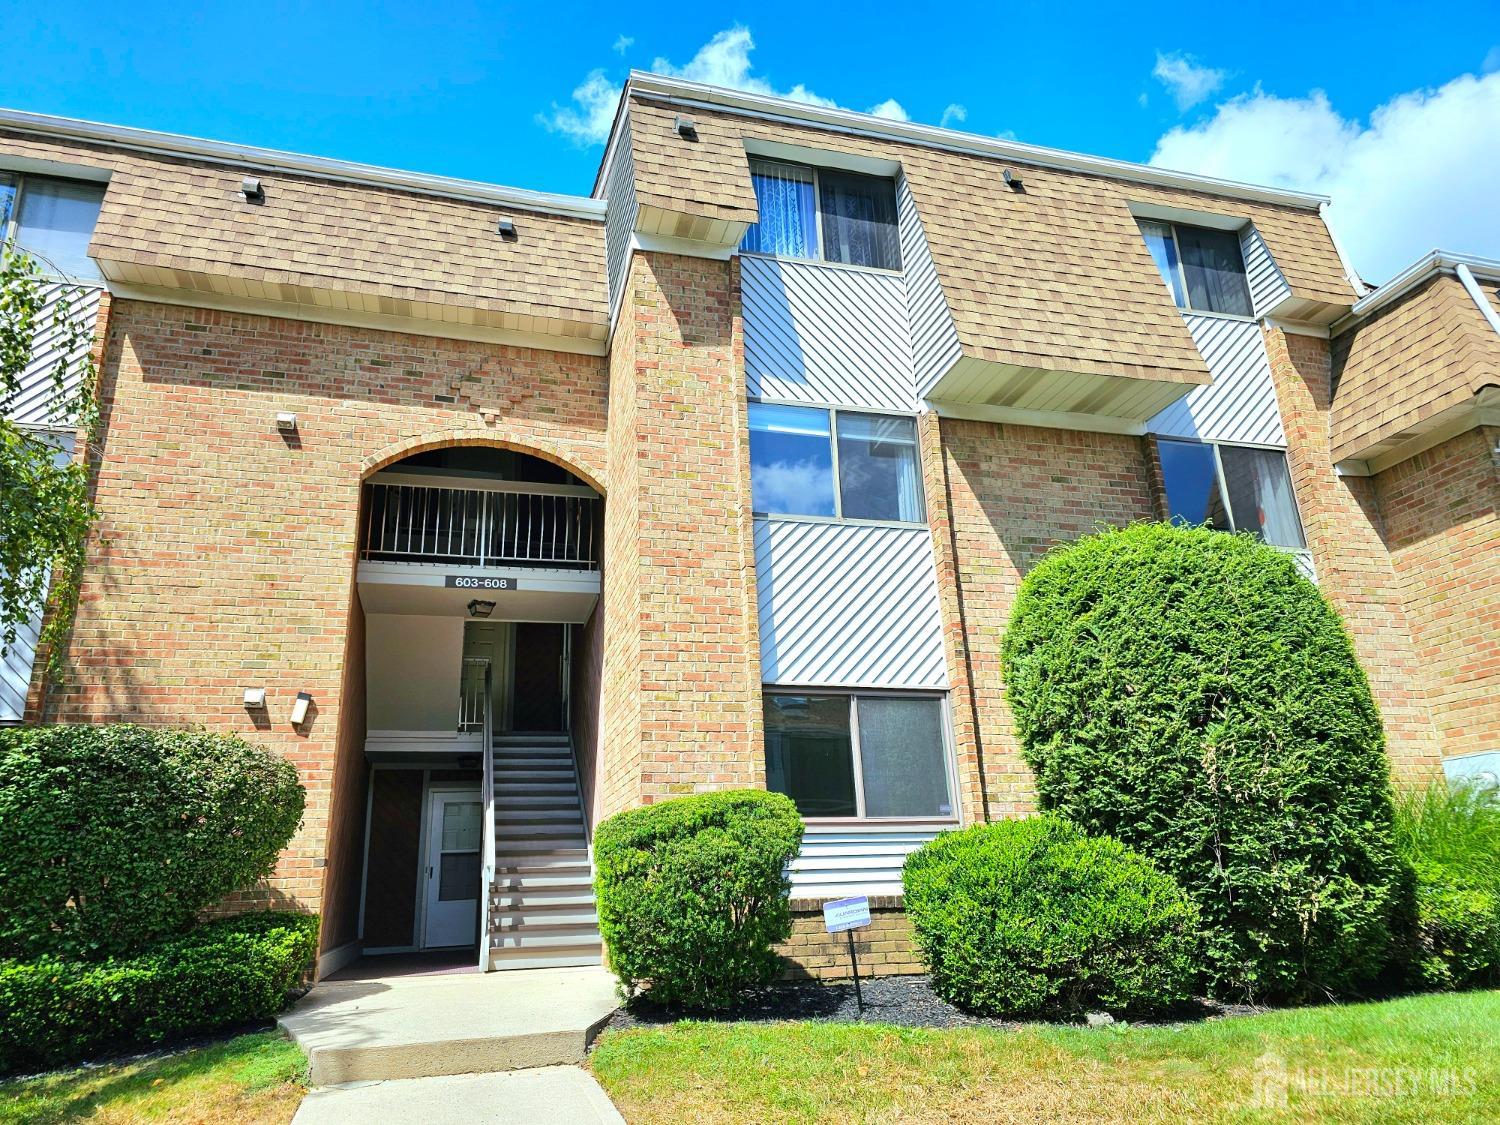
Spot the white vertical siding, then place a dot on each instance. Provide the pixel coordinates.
(820, 333)
(16, 660)
(835, 862)
(1240, 404)
(853, 605)
(1268, 288)
(619, 219)
(38, 403)
(934, 337)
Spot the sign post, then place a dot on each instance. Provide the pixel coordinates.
(845, 915)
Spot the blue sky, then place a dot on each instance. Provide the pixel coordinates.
(1394, 113)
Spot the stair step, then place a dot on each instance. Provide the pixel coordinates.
(533, 854)
(570, 833)
(532, 801)
(509, 920)
(561, 775)
(543, 897)
(518, 763)
(560, 881)
(552, 937)
(504, 959)
(522, 738)
(538, 814)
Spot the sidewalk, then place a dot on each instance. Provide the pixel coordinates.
(552, 1095)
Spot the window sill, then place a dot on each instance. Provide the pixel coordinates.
(1219, 315)
(877, 824)
(787, 517)
(823, 262)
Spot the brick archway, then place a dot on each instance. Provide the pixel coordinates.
(564, 457)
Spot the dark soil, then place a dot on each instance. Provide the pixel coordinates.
(902, 1001)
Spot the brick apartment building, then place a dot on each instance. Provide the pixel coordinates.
(726, 475)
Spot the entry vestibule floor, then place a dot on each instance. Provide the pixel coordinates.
(438, 962)
(420, 1026)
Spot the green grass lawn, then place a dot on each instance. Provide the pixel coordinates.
(251, 1079)
(1421, 1059)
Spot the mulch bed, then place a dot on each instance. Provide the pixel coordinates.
(903, 1001)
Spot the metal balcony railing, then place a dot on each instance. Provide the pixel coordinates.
(471, 697)
(498, 523)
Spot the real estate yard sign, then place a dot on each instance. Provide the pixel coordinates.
(844, 916)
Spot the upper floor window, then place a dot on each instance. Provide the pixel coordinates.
(807, 461)
(52, 220)
(1231, 488)
(1203, 268)
(823, 213)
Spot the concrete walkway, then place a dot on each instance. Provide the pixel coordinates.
(564, 1095)
(470, 1024)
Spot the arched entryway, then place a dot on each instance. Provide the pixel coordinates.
(478, 580)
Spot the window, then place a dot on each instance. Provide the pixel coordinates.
(859, 755)
(52, 220)
(824, 214)
(806, 461)
(1203, 268)
(1231, 488)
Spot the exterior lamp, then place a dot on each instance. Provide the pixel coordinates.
(299, 708)
(478, 608)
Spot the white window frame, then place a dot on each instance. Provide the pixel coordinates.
(838, 486)
(822, 259)
(12, 225)
(1224, 483)
(1187, 293)
(854, 695)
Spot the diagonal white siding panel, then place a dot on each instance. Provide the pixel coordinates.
(819, 333)
(854, 605)
(1268, 288)
(38, 403)
(835, 862)
(934, 337)
(16, 660)
(1240, 404)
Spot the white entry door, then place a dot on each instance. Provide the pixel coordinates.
(454, 839)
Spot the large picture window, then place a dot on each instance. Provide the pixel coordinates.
(867, 756)
(1231, 488)
(807, 461)
(53, 221)
(1203, 268)
(822, 213)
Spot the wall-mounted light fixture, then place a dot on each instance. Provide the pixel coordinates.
(479, 608)
(507, 229)
(255, 698)
(299, 708)
(286, 422)
(253, 190)
(686, 128)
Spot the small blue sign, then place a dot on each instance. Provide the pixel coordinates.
(842, 914)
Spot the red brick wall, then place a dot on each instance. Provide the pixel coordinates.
(1441, 511)
(1012, 492)
(684, 528)
(885, 948)
(346, 809)
(224, 553)
(1341, 518)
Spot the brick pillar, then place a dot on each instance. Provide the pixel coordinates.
(1344, 533)
(682, 659)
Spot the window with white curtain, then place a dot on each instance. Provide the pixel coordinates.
(825, 214)
(52, 220)
(864, 755)
(811, 461)
(1203, 268)
(1231, 488)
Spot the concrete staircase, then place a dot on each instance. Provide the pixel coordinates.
(542, 907)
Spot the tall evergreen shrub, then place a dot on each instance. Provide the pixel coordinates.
(1189, 693)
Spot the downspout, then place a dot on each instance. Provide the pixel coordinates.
(1360, 288)
(1466, 276)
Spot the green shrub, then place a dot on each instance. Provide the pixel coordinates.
(113, 836)
(1026, 916)
(1451, 840)
(218, 975)
(693, 894)
(1190, 694)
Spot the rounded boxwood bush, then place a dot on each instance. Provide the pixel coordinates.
(1026, 916)
(693, 894)
(1191, 694)
(113, 836)
(221, 974)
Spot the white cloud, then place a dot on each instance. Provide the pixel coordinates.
(1419, 175)
(623, 44)
(1185, 80)
(723, 61)
(955, 114)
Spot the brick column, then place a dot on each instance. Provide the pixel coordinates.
(682, 659)
(1342, 522)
